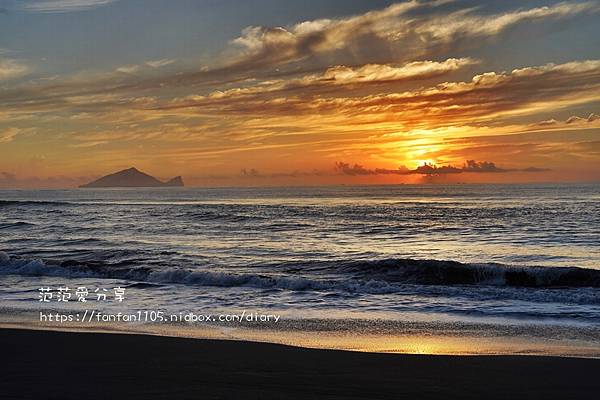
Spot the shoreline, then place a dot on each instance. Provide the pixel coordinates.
(417, 342)
(99, 365)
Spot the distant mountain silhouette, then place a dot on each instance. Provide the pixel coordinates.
(132, 177)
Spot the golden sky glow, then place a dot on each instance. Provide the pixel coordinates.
(362, 96)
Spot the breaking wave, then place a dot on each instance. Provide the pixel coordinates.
(377, 276)
(435, 272)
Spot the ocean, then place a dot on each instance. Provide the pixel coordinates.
(510, 261)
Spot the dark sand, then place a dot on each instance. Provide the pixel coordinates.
(59, 365)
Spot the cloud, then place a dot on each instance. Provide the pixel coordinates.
(408, 31)
(534, 169)
(128, 69)
(249, 172)
(343, 76)
(548, 122)
(160, 63)
(10, 69)
(396, 30)
(357, 170)
(8, 135)
(483, 166)
(485, 96)
(470, 166)
(465, 24)
(131, 69)
(62, 6)
(573, 121)
(278, 113)
(431, 169)
(328, 101)
(377, 73)
(61, 95)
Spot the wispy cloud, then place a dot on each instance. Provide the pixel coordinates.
(341, 76)
(492, 94)
(387, 42)
(8, 135)
(62, 6)
(160, 63)
(128, 69)
(131, 69)
(10, 69)
(394, 30)
(592, 120)
(378, 73)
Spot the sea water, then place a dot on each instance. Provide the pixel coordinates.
(513, 260)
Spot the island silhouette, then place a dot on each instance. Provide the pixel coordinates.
(132, 177)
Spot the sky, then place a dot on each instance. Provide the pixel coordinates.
(269, 92)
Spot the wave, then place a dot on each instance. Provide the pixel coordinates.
(377, 276)
(436, 272)
(18, 224)
(6, 203)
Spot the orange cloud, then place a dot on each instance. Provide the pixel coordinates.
(487, 95)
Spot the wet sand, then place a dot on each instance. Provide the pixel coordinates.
(66, 365)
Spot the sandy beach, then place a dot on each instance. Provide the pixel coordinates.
(65, 365)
